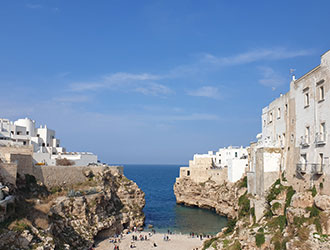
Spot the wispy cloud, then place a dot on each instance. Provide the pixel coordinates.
(141, 83)
(154, 89)
(270, 78)
(205, 91)
(33, 6)
(254, 56)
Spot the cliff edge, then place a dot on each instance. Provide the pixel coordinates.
(223, 198)
(74, 216)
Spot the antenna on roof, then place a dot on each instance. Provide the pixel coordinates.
(292, 74)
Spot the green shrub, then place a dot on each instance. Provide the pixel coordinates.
(244, 205)
(289, 193)
(253, 214)
(230, 226)
(315, 212)
(208, 243)
(277, 245)
(318, 225)
(274, 191)
(276, 205)
(314, 192)
(235, 246)
(243, 183)
(260, 239)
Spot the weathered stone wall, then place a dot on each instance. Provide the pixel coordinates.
(53, 176)
(8, 172)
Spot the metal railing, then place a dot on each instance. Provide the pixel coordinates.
(304, 141)
(320, 138)
(317, 168)
(302, 168)
(312, 168)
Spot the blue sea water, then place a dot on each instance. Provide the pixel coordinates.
(161, 209)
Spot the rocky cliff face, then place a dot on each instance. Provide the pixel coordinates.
(284, 219)
(223, 198)
(73, 217)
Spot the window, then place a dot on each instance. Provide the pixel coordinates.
(38, 135)
(47, 144)
(321, 93)
(27, 132)
(18, 132)
(307, 134)
(270, 117)
(43, 144)
(57, 145)
(279, 113)
(235, 154)
(306, 99)
(188, 172)
(286, 108)
(24, 142)
(321, 159)
(322, 131)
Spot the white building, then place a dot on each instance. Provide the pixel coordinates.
(46, 146)
(295, 135)
(226, 164)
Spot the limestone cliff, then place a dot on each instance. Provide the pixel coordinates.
(73, 217)
(284, 219)
(222, 198)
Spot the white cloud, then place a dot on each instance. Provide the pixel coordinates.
(270, 78)
(141, 83)
(206, 91)
(154, 89)
(254, 56)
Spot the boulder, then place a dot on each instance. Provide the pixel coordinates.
(302, 200)
(322, 202)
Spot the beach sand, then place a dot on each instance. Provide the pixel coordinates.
(175, 242)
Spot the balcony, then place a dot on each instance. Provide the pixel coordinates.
(317, 169)
(304, 141)
(301, 168)
(320, 139)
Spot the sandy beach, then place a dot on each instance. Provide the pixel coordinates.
(175, 242)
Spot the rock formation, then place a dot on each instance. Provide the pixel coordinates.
(222, 198)
(289, 220)
(107, 203)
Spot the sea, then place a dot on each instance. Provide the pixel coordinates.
(161, 210)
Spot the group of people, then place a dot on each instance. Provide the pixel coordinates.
(199, 236)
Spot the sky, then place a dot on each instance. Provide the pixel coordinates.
(153, 81)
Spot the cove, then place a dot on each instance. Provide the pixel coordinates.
(161, 209)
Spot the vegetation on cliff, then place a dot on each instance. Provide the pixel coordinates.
(71, 217)
(290, 220)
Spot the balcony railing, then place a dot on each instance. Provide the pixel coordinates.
(302, 168)
(313, 168)
(317, 168)
(304, 141)
(320, 138)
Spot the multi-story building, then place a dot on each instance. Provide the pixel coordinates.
(46, 147)
(294, 136)
(227, 164)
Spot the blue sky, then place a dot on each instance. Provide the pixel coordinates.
(154, 81)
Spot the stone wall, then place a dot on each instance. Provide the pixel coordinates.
(8, 172)
(53, 176)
